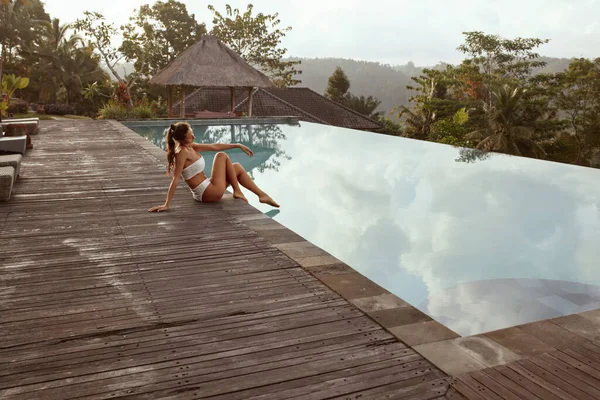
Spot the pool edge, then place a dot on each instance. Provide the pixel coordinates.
(447, 350)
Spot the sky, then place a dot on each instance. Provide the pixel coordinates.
(395, 31)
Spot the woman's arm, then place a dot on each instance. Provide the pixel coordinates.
(179, 163)
(199, 148)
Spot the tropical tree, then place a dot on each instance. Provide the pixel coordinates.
(419, 119)
(101, 35)
(256, 39)
(19, 21)
(12, 16)
(579, 99)
(337, 86)
(363, 105)
(157, 34)
(506, 130)
(492, 61)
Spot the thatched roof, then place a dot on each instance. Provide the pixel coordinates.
(210, 63)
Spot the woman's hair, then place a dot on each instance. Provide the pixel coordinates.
(175, 132)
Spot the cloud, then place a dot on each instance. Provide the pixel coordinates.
(393, 31)
(407, 215)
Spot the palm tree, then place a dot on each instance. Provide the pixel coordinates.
(363, 105)
(418, 122)
(504, 131)
(11, 19)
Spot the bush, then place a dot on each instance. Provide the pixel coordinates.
(113, 110)
(59, 109)
(17, 107)
(143, 111)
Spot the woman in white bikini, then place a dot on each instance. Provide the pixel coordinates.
(183, 160)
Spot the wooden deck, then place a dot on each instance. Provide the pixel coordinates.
(567, 374)
(101, 300)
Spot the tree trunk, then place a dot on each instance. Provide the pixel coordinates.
(1, 76)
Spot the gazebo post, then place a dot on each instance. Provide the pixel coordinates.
(232, 89)
(250, 92)
(182, 108)
(169, 101)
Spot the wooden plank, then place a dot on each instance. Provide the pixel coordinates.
(165, 342)
(497, 388)
(222, 382)
(465, 390)
(106, 300)
(453, 394)
(565, 389)
(540, 381)
(515, 383)
(473, 389)
(570, 374)
(577, 360)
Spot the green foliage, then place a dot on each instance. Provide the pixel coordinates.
(157, 34)
(337, 86)
(451, 130)
(100, 36)
(256, 39)
(500, 57)
(362, 105)
(12, 83)
(579, 98)
(337, 90)
(368, 78)
(506, 130)
(114, 110)
(390, 127)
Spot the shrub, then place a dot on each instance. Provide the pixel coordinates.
(143, 111)
(113, 110)
(17, 107)
(59, 109)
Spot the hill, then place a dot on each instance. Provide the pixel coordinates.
(386, 82)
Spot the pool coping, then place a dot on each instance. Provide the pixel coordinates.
(447, 350)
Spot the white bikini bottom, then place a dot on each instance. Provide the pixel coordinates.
(198, 190)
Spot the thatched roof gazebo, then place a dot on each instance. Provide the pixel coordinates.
(209, 63)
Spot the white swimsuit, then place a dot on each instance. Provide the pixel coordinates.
(192, 170)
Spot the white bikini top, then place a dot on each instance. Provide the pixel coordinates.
(193, 169)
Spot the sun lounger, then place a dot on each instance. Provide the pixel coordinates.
(32, 119)
(6, 182)
(13, 144)
(12, 160)
(31, 126)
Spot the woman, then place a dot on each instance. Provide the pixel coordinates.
(183, 160)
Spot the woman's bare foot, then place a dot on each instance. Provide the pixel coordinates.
(239, 195)
(268, 200)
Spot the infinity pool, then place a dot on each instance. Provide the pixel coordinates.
(477, 241)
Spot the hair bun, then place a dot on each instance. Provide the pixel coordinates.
(172, 127)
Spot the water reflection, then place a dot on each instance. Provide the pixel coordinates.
(263, 139)
(436, 232)
(472, 155)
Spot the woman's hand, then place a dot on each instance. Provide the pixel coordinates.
(246, 150)
(159, 208)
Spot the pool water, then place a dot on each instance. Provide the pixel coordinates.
(477, 241)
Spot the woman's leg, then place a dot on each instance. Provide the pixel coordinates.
(246, 181)
(223, 174)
